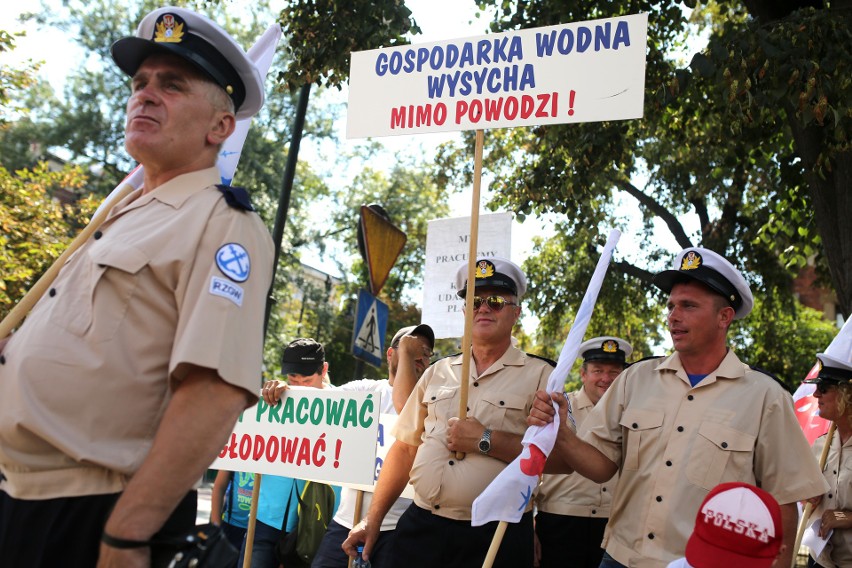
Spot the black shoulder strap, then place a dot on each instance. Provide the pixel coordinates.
(771, 376)
(236, 197)
(648, 358)
(550, 362)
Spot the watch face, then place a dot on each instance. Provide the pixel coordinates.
(484, 445)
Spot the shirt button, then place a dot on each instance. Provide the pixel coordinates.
(594, 511)
(603, 489)
(830, 495)
(476, 384)
(502, 403)
(2, 359)
(690, 397)
(659, 499)
(651, 536)
(635, 425)
(724, 444)
(437, 507)
(98, 234)
(669, 463)
(452, 462)
(680, 428)
(433, 398)
(52, 292)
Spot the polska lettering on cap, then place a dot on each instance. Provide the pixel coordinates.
(712, 270)
(493, 272)
(202, 43)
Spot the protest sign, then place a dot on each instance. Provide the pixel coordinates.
(324, 435)
(446, 250)
(578, 72)
(383, 443)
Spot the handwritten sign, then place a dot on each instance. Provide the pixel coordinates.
(324, 435)
(578, 72)
(447, 248)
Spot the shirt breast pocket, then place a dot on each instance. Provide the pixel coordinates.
(506, 412)
(717, 449)
(98, 301)
(642, 428)
(439, 404)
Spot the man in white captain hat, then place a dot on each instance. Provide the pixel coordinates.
(125, 380)
(502, 385)
(676, 427)
(572, 510)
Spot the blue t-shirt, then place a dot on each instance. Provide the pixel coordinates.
(695, 379)
(238, 503)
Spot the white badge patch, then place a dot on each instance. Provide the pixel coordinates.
(233, 260)
(225, 289)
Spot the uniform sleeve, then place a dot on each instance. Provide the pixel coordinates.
(784, 464)
(222, 299)
(602, 427)
(409, 426)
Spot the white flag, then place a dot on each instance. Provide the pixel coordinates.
(508, 495)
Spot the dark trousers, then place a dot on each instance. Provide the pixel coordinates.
(426, 540)
(609, 562)
(331, 555)
(67, 531)
(569, 541)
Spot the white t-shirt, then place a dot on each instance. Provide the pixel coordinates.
(679, 563)
(346, 510)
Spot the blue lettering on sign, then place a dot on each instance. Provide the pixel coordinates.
(234, 262)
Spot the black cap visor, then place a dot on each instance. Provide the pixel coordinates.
(497, 280)
(605, 356)
(130, 52)
(667, 279)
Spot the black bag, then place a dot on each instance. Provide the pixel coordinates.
(205, 546)
(285, 548)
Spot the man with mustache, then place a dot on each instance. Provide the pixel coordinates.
(674, 428)
(436, 529)
(125, 380)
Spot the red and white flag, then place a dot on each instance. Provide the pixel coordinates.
(508, 495)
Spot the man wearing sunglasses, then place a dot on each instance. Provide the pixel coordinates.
(572, 510)
(676, 427)
(502, 385)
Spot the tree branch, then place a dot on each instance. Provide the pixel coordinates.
(633, 270)
(703, 216)
(657, 209)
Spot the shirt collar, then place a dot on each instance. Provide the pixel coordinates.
(175, 191)
(513, 357)
(730, 368)
(581, 398)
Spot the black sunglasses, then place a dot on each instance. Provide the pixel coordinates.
(823, 387)
(496, 303)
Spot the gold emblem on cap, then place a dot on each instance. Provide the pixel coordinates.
(691, 261)
(609, 346)
(168, 29)
(484, 269)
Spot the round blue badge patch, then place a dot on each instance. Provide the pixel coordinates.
(233, 260)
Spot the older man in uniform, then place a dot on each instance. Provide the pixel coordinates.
(573, 510)
(436, 529)
(127, 377)
(676, 427)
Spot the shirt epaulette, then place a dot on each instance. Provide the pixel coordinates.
(770, 375)
(236, 197)
(550, 362)
(648, 358)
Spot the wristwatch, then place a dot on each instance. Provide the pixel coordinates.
(485, 442)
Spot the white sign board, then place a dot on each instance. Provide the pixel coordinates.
(383, 443)
(578, 72)
(324, 435)
(447, 248)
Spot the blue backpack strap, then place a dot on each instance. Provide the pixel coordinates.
(236, 197)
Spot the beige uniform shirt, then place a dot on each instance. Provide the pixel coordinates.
(500, 398)
(838, 474)
(673, 443)
(573, 494)
(85, 381)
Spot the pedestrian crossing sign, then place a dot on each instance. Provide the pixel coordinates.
(371, 325)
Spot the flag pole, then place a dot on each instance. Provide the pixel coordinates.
(809, 507)
(495, 544)
(252, 520)
(471, 267)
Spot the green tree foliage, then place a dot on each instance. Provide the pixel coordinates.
(322, 34)
(718, 143)
(34, 227)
